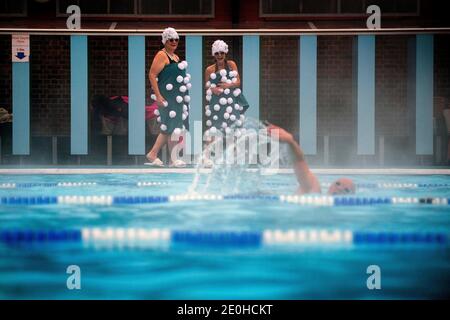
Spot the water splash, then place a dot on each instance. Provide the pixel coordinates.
(238, 168)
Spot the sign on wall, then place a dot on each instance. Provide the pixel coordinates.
(20, 48)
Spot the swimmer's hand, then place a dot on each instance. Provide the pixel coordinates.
(282, 134)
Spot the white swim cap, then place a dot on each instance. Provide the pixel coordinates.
(219, 46)
(169, 33)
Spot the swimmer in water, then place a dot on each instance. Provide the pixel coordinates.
(307, 180)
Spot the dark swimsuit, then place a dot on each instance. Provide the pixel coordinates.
(217, 110)
(172, 115)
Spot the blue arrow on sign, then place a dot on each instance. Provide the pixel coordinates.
(20, 55)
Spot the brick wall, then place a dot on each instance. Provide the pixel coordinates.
(108, 73)
(391, 78)
(442, 67)
(5, 72)
(108, 65)
(334, 86)
(50, 85)
(279, 81)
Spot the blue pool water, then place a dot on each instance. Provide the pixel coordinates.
(38, 270)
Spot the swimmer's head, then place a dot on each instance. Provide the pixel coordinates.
(219, 49)
(342, 186)
(170, 37)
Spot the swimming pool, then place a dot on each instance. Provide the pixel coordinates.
(142, 241)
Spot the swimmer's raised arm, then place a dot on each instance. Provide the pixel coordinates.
(307, 180)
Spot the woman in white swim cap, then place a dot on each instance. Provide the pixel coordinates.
(171, 95)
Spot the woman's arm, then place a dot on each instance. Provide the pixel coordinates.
(157, 65)
(217, 91)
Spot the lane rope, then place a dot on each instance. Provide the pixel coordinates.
(269, 237)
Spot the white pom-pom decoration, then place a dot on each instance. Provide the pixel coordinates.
(236, 106)
(179, 99)
(188, 85)
(153, 96)
(208, 98)
(238, 123)
(172, 114)
(237, 92)
(189, 76)
(208, 123)
(209, 92)
(184, 116)
(223, 79)
(213, 130)
(234, 80)
(207, 107)
(187, 99)
(213, 76)
(185, 108)
(223, 72)
(181, 66)
(230, 100)
(233, 117)
(228, 81)
(208, 84)
(156, 112)
(226, 91)
(213, 85)
(232, 73)
(158, 119)
(180, 79)
(186, 80)
(224, 125)
(163, 127)
(165, 103)
(223, 101)
(215, 118)
(226, 116)
(177, 131)
(183, 89)
(229, 109)
(208, 113)
(216, 107)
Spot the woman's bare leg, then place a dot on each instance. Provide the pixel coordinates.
(160, 142)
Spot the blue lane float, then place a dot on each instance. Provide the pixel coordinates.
(303, 200)
(138, 237)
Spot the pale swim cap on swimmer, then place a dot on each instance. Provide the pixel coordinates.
(219, 46)
(169, 33)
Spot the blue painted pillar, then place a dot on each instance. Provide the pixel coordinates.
(21, 107)
(308, 94)
(366, 94)
(250, 85)
(78, 95)
(194, 56)
(424, 94)
(136, 95)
